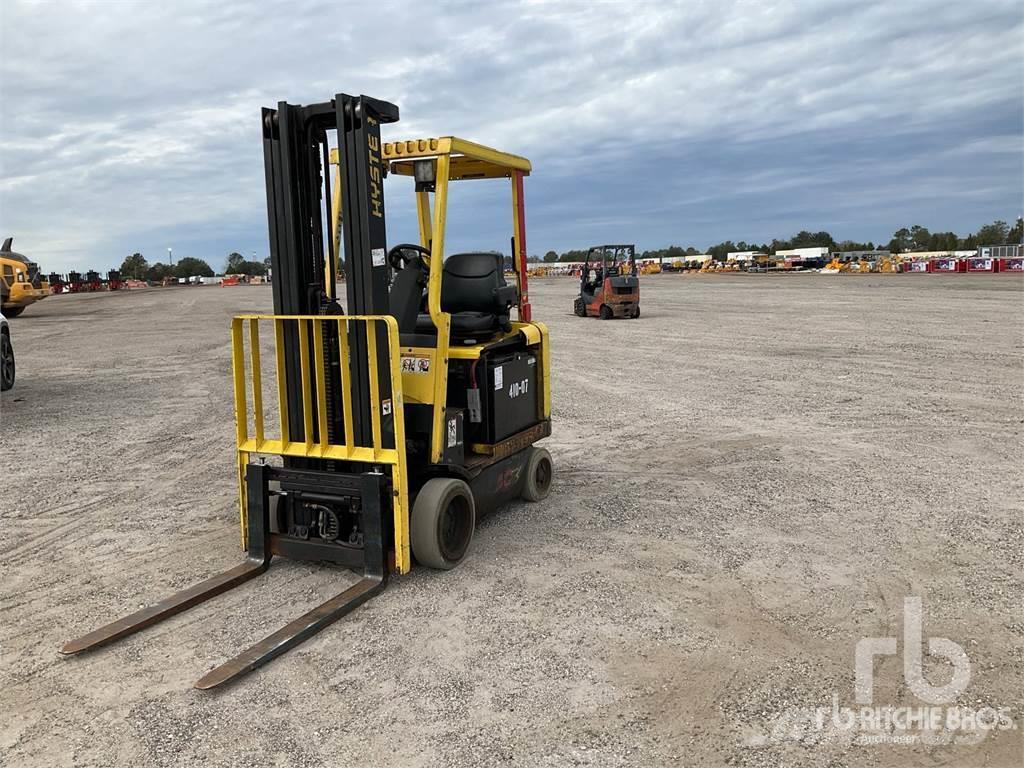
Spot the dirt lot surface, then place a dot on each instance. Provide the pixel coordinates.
(749, 479)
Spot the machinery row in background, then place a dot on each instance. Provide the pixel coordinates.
(75, 282)
(990, 259)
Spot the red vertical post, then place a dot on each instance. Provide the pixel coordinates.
(519, 212)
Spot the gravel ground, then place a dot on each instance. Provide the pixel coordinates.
(749, 480)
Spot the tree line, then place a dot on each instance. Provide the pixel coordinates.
(136, 267)
(904, 240)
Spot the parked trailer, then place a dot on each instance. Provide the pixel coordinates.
(949, 265)
(803, 258)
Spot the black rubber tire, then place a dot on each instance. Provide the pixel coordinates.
(636, 313)
(12, 312)
(606, 312)
(442, 523)
(539, 472)
(579, 308)
(7, 369)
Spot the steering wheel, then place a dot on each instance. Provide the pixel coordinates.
(399, 256)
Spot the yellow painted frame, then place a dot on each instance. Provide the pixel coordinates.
(259, 443)
(454, 159)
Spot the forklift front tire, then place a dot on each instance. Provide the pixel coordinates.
(539, 471)
(442, 522)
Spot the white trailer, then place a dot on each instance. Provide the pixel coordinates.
(804, 253)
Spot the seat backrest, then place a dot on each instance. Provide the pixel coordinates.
(470, 280)
(406, 295)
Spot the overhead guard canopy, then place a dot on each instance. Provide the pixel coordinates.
(468, 159)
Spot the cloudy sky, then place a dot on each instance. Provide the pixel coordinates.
(131, 126)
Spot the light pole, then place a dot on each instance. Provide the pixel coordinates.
(170, 256)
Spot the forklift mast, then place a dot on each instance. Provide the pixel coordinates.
(296, 154)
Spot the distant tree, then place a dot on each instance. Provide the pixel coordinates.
(720, 250)
(190, 267)
(968, 243)
(235, 260)
(942, 241)
(920, 238)
(805, 239)
(550, 256)
(157, 272)
(994, 233)
(250, 268)
(1016, 235)
(134, 267)
(901, 241)
(853, 245)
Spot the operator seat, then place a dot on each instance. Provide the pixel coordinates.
(474, 291)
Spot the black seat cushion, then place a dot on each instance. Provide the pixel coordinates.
(462, 323)
(474, 291)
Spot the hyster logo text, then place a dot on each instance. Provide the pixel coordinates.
(373, 156)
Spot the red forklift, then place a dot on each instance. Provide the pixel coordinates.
(609, 286)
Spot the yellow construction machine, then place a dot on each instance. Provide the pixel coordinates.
(21, 282)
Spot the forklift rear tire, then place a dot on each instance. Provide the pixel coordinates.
(442, 522)
(539, 471)
(606, 312)
(636, 313)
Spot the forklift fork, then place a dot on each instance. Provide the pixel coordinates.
(260, 542)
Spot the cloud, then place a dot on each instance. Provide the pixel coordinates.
(135, 126)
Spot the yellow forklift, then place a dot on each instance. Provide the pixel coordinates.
(399, 413)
